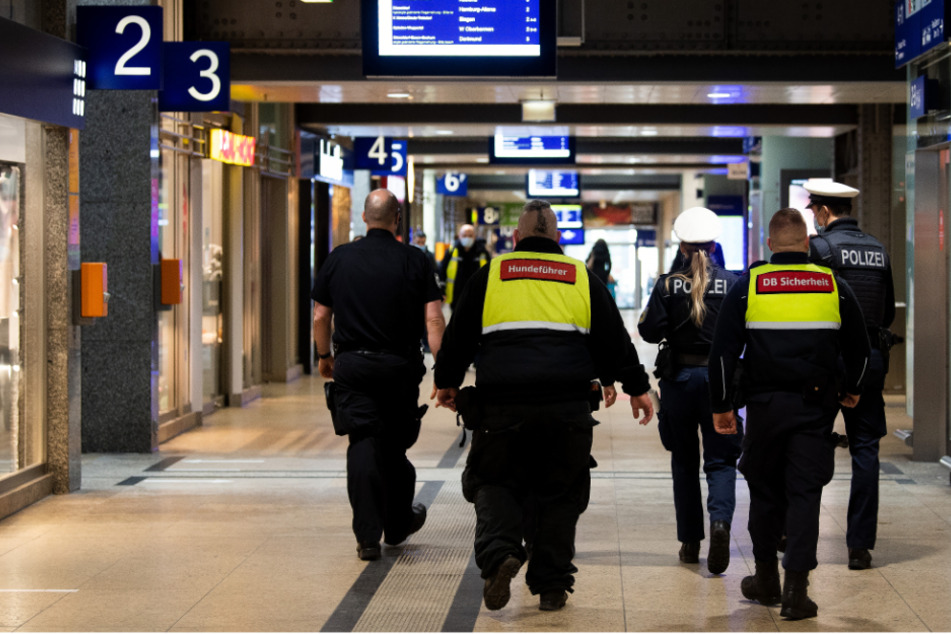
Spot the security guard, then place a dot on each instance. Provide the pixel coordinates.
(862, 261)
(383, 298)
(794, 319)
(466, 257)
(544, 330)
(683, 311)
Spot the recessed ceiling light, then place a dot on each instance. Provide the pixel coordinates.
(444, 132)
(719, 95)
(648, 132)
(398, 95)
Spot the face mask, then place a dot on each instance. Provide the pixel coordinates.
(466, 242)
(819, 228)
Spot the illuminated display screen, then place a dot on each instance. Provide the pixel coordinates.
(459, 37)
(520, 147)
(553, 184)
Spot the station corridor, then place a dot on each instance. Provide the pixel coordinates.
(243, 525)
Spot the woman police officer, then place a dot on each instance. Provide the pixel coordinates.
(682, 311)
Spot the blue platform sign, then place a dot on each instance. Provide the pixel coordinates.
(197, 77)
(44, 76)
(124, 46)
(572, 236)
(486, 216)
(383, 156)
(916, 98)
(453, 184)
(568, 216)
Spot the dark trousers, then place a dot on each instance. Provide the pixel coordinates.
(535, 460)
(787, 459)
(865, 426)
(376, 403)
(685, 408)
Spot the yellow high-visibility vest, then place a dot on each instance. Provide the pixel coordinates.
(792, 297)
(537, 290)
(453, 268)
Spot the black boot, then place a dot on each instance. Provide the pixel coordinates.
(796, 603)
(764, 585)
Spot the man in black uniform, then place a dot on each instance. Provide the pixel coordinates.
(544, 330)
(794, 319)
(383, 298)
(862, 261)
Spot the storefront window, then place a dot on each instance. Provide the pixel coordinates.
(166, 318)
(9, 319)
(212, 253)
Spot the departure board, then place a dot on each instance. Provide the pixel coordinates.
(459, 37)
(527, 147)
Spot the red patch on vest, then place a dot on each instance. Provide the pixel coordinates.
(538, 270)
(794, 282)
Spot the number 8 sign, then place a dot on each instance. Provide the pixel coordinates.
(124, 44)
(197, 77)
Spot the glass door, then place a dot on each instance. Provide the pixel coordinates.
(10, 459)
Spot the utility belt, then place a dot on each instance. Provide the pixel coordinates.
(669, 361)
(690, 359)
(410, 355)
(882, 339)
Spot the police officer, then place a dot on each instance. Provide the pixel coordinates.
(544, 330)
(466, 257)
(794, 320)
(383, 298)
(682, 311)
(860, 260)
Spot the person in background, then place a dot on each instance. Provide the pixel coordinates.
(791, 320)
(419, 241)
(682, 311)
(545, 330)
(382, 298)
(862, 261)
(465, 257)
(599, 261)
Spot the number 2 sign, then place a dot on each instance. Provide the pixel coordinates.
(124, 45)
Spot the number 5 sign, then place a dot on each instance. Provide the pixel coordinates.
(197, 77)
(124, 44)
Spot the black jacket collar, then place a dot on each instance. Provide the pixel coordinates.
(538, 245)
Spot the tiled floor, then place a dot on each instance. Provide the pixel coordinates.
(244, 524)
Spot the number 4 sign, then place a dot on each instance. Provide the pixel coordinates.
(381, 155)
(197, 77)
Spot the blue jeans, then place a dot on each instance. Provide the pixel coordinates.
(685, 407)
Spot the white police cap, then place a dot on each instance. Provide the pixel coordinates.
(697, 225)
(828, 188)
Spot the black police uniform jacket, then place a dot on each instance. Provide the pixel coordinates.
(538, 365)
(785, 360)
(862, 261)
(667, 315)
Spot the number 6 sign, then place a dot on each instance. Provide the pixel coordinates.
(124, 44)
(197, 77)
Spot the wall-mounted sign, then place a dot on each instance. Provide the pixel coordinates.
(124, 44)
(919, 27)
(383, 156)
(197, 77)
(232, 148)
(485, 216)
(44, 76)
(453, 184)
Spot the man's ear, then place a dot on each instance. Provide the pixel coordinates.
(769, 243)
(515, 237)
(558, 236)
(363, 215)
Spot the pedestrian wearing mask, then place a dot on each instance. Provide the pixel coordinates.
(466, 257)
(682, 313)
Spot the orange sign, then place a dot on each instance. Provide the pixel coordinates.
(229, 147)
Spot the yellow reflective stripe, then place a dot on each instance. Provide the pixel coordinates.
(808, 300)
(537, 300)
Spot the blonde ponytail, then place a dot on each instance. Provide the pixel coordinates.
(699, 278)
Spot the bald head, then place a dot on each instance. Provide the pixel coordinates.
(538, 220)
(787, 232)
(381, 210)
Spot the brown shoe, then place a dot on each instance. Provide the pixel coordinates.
(496, 592)
(552, 600)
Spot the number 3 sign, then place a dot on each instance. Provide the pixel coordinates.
(197, 77)
(124, 44)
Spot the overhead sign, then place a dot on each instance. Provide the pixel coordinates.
(486, 216)
(572, 236)
(738, 171)
(569, 216)
(919, 27)
(197, 77)
(383, 156)
(44, 77)
(452, 184)
(124, 45)
(228, 147)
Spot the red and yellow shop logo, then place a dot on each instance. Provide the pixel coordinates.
(232, 148)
